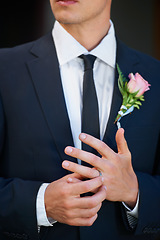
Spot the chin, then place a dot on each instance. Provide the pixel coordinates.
(66, 17)
(66, 20)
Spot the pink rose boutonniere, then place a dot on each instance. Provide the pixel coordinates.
(132, 92)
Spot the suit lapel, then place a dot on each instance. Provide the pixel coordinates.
(44, 70)
(127, 60)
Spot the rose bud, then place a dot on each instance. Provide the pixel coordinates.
(137, 83)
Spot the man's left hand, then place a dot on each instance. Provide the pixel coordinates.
(116, 168)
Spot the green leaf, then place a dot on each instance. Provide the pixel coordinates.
(141, 98)
(128, 105)
(136, 106)
(138, 103)
(121, 81)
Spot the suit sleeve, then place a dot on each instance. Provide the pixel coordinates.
(149, 201)
(149, 205)
(17, 201)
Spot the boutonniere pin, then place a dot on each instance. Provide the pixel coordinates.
(132, 91)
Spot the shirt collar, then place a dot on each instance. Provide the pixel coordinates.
(68, 48)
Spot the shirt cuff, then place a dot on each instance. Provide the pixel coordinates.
(132, 215)
(42, 219)
(134, 212)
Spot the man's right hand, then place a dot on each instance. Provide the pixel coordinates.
(64, 204)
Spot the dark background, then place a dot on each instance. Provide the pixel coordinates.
(137, 22)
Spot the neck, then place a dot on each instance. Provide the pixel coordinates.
(88, 35)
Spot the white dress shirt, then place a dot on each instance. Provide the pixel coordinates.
(72, 70)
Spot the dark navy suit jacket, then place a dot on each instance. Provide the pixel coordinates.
(35, 129)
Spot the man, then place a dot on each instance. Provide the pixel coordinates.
(40, 109)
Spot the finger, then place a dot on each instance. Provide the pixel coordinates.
(84, 156)
(86, 186)
(73, 180)
(74, 176)
(84, 213)
(90, 202)
(82, 170)
(97, 144)
(82, 221)
(121, 142)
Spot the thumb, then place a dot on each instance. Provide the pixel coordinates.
(121, 142)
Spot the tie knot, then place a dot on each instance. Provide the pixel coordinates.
(88, 61)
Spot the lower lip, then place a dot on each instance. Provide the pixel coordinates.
(66, 3)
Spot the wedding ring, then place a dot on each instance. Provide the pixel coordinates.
(100, 174)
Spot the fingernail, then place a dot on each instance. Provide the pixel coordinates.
(96, 173)
(69, 179)
(69, 150)
(83, 136)
(122, 130)
(65, 164)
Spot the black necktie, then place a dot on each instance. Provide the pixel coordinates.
(90, 113)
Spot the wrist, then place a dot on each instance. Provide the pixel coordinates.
(131, 203)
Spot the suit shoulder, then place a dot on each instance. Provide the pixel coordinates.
(143, 58)
(20, 49)
(135, 61)
(21, 52)
(147, 59)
